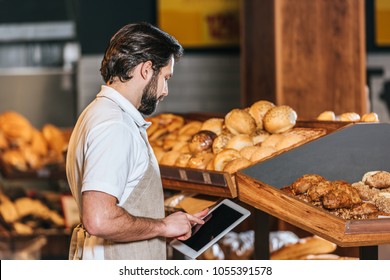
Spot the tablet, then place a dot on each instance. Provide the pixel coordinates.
(219, 221)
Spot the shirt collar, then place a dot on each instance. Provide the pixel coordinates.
(124, 104)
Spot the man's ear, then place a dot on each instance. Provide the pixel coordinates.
(146, 70)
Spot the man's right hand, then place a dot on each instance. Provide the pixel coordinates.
(178, 225)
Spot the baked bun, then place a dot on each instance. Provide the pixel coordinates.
(158, 134)
(179, 145)
(190, 128)
(182, 160)
(236, 164)
(239, 121)
(54, 138)
(279, 119)
(258, 110)
(15, 159)
(305, 246)
(370, 117)
(261, 153)
(214, 124)
(239, 141)
(349, 117)
(288, 141)
(305, 182)
(259, 136)
(158, 152)
(39, 144)
(223, 157)
(15, 127)
(377, 179)
(169, 158)
(3, 141)
(32, 159)
(247, 152)
(202, 141)
(327, 116)
(272, 140)
(200, 160)
(220, 142)
(152, 127)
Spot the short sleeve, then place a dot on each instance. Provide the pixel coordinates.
(108, 159)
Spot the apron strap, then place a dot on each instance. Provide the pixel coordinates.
(77, 243)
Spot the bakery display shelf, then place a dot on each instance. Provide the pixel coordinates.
(223, 184)
(42, 244)
(345, 154)
(200, 181)
(52, 171)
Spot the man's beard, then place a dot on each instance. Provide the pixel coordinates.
(149, 98)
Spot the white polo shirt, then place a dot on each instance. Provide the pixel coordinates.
(106, 152)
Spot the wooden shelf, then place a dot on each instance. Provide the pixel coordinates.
(345, 154)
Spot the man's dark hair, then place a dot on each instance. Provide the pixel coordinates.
(134, 44)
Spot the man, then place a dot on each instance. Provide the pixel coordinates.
(111, 169)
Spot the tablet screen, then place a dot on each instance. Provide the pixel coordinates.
(215, 223)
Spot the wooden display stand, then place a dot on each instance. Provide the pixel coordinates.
(309, 54)
(346, 154)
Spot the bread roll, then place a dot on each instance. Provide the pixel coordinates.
(55, 138)
(169, 158)
(184, 149)
(190, 128)
(220, 142)
(248, 151)
(223, 157)
(202, 141)
(214, 124)
(259, 136)
(239, 141)
(258, 110)
(272, 140)
(349, 117)
(239, 121)
(236, 164)
(288, 141)
(262, 153)
(15, 159)
(305, 246)
(377, 179)
(152, 127)
(32, 159)
(158, 134)
(3, 141)
(179, 145)
(176, 123)
(279, 119)
(39, 144)
(158, 152)
(168, 144)
(15, 127)
(327, 116)
(370, 117)
(200, 160)
(182, 160)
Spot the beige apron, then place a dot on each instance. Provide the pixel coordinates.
(146, 200)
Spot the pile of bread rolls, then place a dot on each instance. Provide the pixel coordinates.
(26, 215)
(348, 117)
(230, 143)
(366, 199)
(24, 147)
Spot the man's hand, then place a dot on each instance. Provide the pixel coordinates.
(179, 224)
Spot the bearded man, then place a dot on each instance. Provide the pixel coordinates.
(111, 168)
